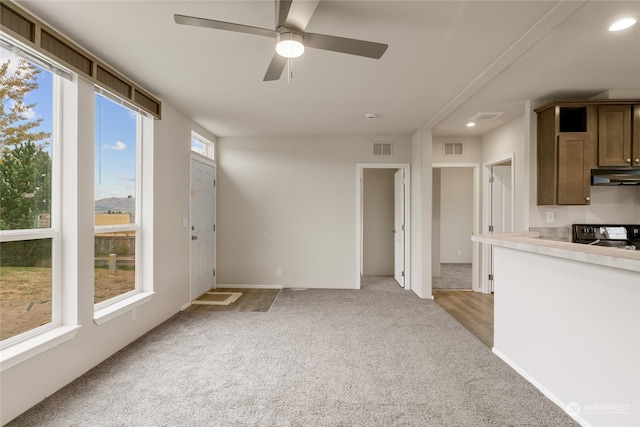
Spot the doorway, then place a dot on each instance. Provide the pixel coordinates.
(455, 262)
(382, 222)
(202, 212)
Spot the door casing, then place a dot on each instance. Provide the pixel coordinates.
(475, 248)
(360, 167)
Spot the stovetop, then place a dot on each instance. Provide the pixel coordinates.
(623, 236)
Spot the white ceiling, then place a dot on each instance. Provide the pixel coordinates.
(446, 61)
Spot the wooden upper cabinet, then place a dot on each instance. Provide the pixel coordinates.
(615, 138)
(566, 153)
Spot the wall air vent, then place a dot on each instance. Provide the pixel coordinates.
(452, 148)
(486, 116)
(382, 149)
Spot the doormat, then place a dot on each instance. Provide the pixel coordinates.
(253, 300)
(217, 298)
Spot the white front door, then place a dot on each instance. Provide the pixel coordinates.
(398, 226)
(202, 225)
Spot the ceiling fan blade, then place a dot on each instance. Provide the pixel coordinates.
(221, 25)
(344, 45)
(300, 13)
(275, 68)
(282, 11)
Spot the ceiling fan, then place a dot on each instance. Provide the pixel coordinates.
(292, 17)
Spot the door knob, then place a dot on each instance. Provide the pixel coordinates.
(194, 237)
(586, 198)
(628, 160)
(637, 160)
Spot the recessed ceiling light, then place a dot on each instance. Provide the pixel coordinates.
(470, 124)
(622, 24)
(370, 116)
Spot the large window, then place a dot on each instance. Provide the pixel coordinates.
(29, 235)
(117, 201)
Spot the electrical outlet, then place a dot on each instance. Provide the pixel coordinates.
(459, 252)
(278, 272)
(550, 216)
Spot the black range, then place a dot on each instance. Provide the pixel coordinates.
(623, 236)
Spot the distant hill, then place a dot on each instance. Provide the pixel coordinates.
(116, 204)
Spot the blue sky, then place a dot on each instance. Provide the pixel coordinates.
(114, 135)
(115, 150)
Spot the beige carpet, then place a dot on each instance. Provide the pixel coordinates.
(454, 276)
(376, 356)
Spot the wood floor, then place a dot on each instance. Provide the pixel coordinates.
(474, 310)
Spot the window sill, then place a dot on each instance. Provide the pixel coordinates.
(114, 310)
(20, 352)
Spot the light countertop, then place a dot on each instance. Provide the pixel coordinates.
(531, 242)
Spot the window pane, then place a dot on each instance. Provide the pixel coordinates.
(115, 260)
(115, 163)
(25, 286)
(198, 147)
(25, 144)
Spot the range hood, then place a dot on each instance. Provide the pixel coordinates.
(615, 176)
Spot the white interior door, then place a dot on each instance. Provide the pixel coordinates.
(501, 199)
(398, 229)
(203, 212)
(501, 205)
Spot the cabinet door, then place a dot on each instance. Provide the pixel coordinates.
(574, 169)
(614, 135)
(635, 140)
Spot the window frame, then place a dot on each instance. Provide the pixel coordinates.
(53, 231)
(135, 226)
(209, 146)
(62, 326)
(143, 292)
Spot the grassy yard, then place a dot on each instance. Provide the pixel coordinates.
(25, 295)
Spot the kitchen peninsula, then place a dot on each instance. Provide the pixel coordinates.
(567, 318)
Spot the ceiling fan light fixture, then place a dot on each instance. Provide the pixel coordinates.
(289, 45)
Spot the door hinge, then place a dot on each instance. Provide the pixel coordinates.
(491, 277)
(214, 227)
(402, 227)
(491, 229)
(490, 180)
(214, 182)
(214, 271)
(403, 274)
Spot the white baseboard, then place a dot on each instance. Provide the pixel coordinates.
(184, 307)
(562, 405)
(249, 286)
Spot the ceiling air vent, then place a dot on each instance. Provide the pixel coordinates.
(486, 116)
(381, 148)
(452, 149)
